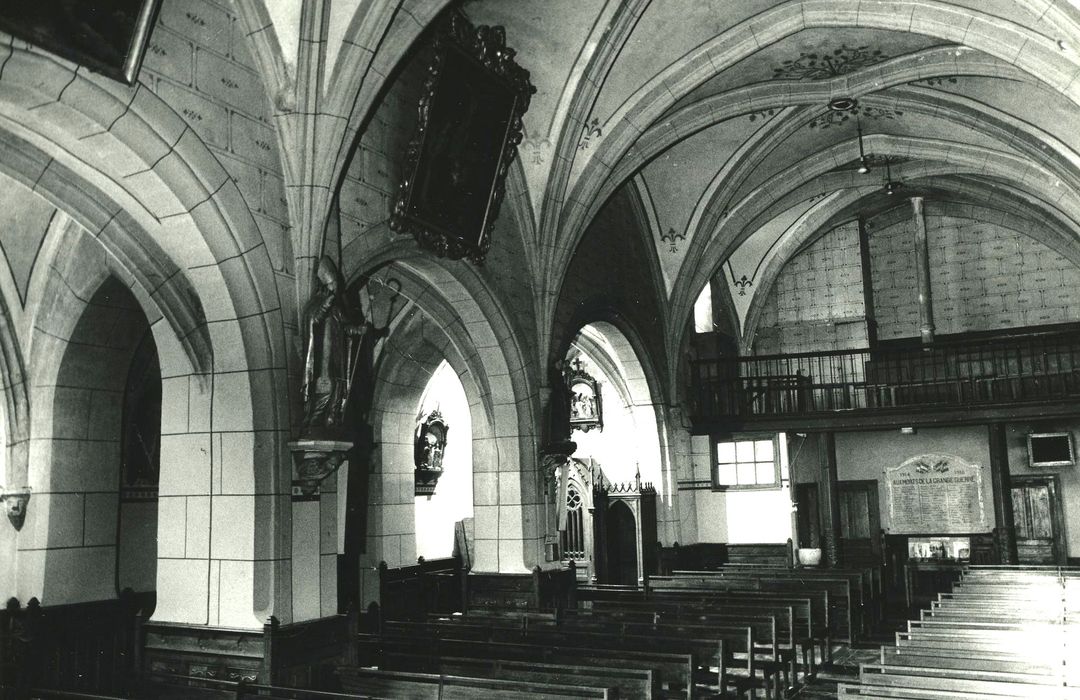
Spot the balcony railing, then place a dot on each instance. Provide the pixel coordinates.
(1036, 367)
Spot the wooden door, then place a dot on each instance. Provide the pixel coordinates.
(1037, 519)
(808, 521)
(621, 538)
(860, 523)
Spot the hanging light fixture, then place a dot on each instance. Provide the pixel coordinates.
(890, 186)
(864, 164)
(851, 106)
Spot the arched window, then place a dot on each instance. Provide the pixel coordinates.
(573, 543)
(437, 514)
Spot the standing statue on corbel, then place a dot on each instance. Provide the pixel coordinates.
(334, 330)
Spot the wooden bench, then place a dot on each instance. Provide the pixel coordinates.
(999, 634)
(770, 641)
(872, 585)
(672, 672)
(637, 684)
(847, 592)
(916, 678)
(706, 653)
(167, 686)
(738, 667)
(848, 690)
(822, 633)
(975, 662)
(400, 685)
(808, 627)
(739, 639)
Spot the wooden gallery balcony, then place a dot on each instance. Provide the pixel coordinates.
(976, 379)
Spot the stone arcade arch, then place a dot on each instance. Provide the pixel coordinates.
(462, 325)
(74, 522)
(177, 230)
(635, 388)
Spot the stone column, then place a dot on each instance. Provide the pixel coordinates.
(314, 551)
(922, 272)
(1003, 507)
(868, 284)
(829, 501)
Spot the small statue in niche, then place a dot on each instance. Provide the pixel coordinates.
(428, 452)
(334, 330)
(432, 452)
(586, 406)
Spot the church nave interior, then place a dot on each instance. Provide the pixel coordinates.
(577, 348)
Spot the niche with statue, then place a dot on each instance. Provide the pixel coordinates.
(428, 451)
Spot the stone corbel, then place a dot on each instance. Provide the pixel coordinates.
(549, 465)
(15, 502)
(313, 461)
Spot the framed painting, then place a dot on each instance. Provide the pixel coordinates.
(106, 36)
(468, 129)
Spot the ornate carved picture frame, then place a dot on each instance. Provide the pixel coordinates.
(106, 36)
(468, 129)
(586, 401)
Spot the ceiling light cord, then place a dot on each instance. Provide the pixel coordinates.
(864, 165)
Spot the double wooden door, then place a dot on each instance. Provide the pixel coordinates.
(1037, 520)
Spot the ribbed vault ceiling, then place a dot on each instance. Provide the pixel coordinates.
(715, 115)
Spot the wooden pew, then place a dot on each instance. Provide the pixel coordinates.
(400, 685)
(872, 585)
(738, 639)
(822, 632)
(770, 641)
(774, 626)
(674, 672)
(706, 653)
(999, 633)
(848, 690)
(922, 678)
(975, 662)
(168, 686)
(805, 630)
(632, 684)
(846, 592)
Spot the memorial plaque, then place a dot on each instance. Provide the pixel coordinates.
(935, 494)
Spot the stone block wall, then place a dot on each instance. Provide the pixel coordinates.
(371, 180)
(199, 63)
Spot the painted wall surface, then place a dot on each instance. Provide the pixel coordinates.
(984, 275)
(736, 516)
(1068, 477)
(817, 301)
(863, 455)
